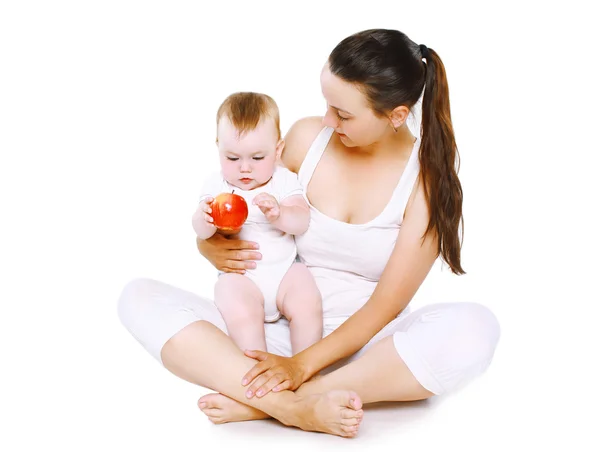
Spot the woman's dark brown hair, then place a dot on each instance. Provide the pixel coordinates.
(388, 67)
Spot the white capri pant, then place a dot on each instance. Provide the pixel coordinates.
(444, 345)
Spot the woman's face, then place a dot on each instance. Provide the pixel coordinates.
(349, 113)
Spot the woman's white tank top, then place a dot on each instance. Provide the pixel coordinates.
(347, 260)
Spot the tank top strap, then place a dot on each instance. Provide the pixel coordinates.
(314, 154)
(407, 182)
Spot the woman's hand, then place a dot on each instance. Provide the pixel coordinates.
(273, 372)
(229, 255)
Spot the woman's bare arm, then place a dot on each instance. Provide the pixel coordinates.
(298, 140)
(409, 264)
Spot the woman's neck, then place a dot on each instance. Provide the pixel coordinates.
(391, 143)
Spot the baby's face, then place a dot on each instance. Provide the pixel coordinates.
(249, 161)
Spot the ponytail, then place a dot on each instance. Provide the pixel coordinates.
(439, 160)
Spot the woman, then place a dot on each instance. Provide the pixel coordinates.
(384, 206)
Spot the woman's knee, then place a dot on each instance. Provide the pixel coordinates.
(481, 327)
(457, 340)
(472, 334)
(132, 299)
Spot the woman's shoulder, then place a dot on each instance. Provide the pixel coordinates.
(298, 140)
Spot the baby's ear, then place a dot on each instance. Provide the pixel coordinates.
(279, 148)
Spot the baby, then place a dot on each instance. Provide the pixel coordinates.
(250, 146)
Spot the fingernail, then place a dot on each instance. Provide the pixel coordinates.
(244, 381)
(259, 393)
(249, 394)
(203, 405)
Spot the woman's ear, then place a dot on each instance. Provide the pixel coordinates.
(398, 116)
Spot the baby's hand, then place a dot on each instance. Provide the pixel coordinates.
(267, 205)
(205, 207)
(202, 220)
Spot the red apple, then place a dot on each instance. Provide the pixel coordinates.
(229, 211)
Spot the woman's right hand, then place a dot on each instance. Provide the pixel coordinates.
(229, 255)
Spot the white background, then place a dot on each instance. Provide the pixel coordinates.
(107, 130)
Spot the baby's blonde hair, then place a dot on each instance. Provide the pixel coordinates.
(246, 109)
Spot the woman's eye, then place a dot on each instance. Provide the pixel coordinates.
(258, 158)
(233, 159)
(341, 118)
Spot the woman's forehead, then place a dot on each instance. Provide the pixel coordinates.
(341, 94)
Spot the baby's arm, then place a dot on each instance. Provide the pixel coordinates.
(202, 222)
(292, 213)
(291, 216)
(295, 215)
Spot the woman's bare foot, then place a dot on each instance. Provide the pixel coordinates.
(221, 409)
(335, 412)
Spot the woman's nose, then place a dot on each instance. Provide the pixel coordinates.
(329, 120)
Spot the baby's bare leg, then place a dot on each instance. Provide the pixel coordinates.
(241, 304)
(299, 301)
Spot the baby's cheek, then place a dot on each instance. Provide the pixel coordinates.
(265, 172)
(229, 170)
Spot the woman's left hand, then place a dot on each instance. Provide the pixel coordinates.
(273, 372)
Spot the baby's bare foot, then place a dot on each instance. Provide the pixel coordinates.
(335, 412)
(221, 409)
